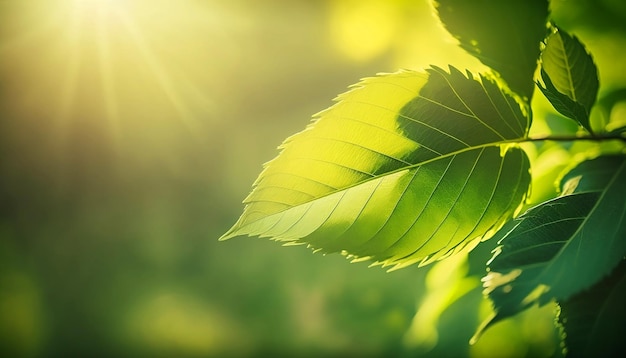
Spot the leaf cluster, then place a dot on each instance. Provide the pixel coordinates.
(417, 165)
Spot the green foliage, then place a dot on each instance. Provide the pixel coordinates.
(413, 166)
(594, 320)
(380, 176)
(605, 107)
(570, 77)
(504, 35)
(549, 252)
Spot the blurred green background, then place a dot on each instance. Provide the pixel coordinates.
(130, 131)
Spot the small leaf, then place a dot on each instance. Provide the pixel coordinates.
(610, 111)
(562, 103)
(564, 245)
(404, 168)
(570, 77)
(595, 320)
(504, 35)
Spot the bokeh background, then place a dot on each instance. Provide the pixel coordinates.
(130, 131)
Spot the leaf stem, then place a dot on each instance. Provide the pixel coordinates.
(570, 138)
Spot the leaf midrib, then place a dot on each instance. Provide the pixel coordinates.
(570, 79)
(603, 192)
(409, 167)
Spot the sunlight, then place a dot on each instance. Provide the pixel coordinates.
(97, 3)
(363, 30)
(87, 25)
(157, 69)
(117, 76)
(409, 33)
(107, 24)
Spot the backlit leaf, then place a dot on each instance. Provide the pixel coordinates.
(564, 245)
(570, 77)
(504, 35)
(610, 111)
(404, 168)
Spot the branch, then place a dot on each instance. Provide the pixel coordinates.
(566, 138)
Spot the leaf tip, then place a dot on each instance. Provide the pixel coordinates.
(232, 232)
(483, 327)
(225, 237)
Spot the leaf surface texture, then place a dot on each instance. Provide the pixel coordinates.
(565, 245)
(404, 168)
(570, 77)
(595, 320)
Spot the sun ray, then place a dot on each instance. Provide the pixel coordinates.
(72, 71)
(158, 70)
(45, 25)
(111, 106)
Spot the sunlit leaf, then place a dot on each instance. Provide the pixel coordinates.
(446, 282)
(404, 168)
(570, 77)
(611, 111)
(504, 35)
(564, 245)
(595, 320)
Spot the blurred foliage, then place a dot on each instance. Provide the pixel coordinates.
(129, 130)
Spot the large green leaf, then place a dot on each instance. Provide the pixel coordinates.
(504, 35)
(595, 320)
(405, 167)
(564, 245)
(570, 77)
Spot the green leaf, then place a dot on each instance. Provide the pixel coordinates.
(595, 320)
(446, 283)
(609, 112)
(404, 168)
(564, 245)
(504, 35)
(562, 103)
(570, 77)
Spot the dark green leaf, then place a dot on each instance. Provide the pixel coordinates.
(562, 103)
(564, 245)
(405, 168)
(594, 321)
(570, 77)
(504, 35)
